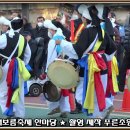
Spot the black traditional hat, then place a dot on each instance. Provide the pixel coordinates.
(16, 23)
(108, 25)
(66, 32)
(95, 20)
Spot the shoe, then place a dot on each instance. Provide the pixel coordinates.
(76, 111)
(27, 95)
(18, 118)
(54, 111)
(109, 110)
(63, 115)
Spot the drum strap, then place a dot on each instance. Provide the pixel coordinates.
(4, 56)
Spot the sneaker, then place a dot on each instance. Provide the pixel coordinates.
(76, 111)
(54, 111)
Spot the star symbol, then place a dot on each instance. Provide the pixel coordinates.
(62, 122)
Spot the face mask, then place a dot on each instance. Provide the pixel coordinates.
(74, 17)
(40, 24)
(49, 34)
(113, 20)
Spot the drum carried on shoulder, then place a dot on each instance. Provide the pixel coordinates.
(63, 73)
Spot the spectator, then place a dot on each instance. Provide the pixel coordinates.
(15, 14)
(5, 27)
(26, 26)
(126, 59)
(76, 22)
(33, 46)
(119, 46)
(41, 32)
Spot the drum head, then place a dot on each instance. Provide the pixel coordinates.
(51, 92)
(63, 74)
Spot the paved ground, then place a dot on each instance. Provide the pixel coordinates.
(36, 107)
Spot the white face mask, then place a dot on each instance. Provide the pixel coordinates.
(113, 20)
(49, 34)
(40, 24)
(74, 17)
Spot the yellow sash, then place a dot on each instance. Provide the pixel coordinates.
(23, 72)
(93, 67)
(115, 73)
(21, 45)
(98, 44)
(89, 99)
(25, 75)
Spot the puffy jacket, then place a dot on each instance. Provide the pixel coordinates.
(40, 32)
(126, 40)
(26, 27)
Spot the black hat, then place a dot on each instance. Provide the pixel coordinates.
(16, 24)
(95, 20)
(108, 25)
(58, 24)
(66, 32)
(93, 11)
(26, 33)
(106, 11)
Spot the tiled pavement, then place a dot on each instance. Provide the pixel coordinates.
(36, 107)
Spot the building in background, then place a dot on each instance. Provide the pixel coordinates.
(31, 11)
(50, 11)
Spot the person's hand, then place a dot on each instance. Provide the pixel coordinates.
(58, 42)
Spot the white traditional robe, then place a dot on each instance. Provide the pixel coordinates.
(19, 108)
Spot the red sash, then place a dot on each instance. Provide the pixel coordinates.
(97, 80)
